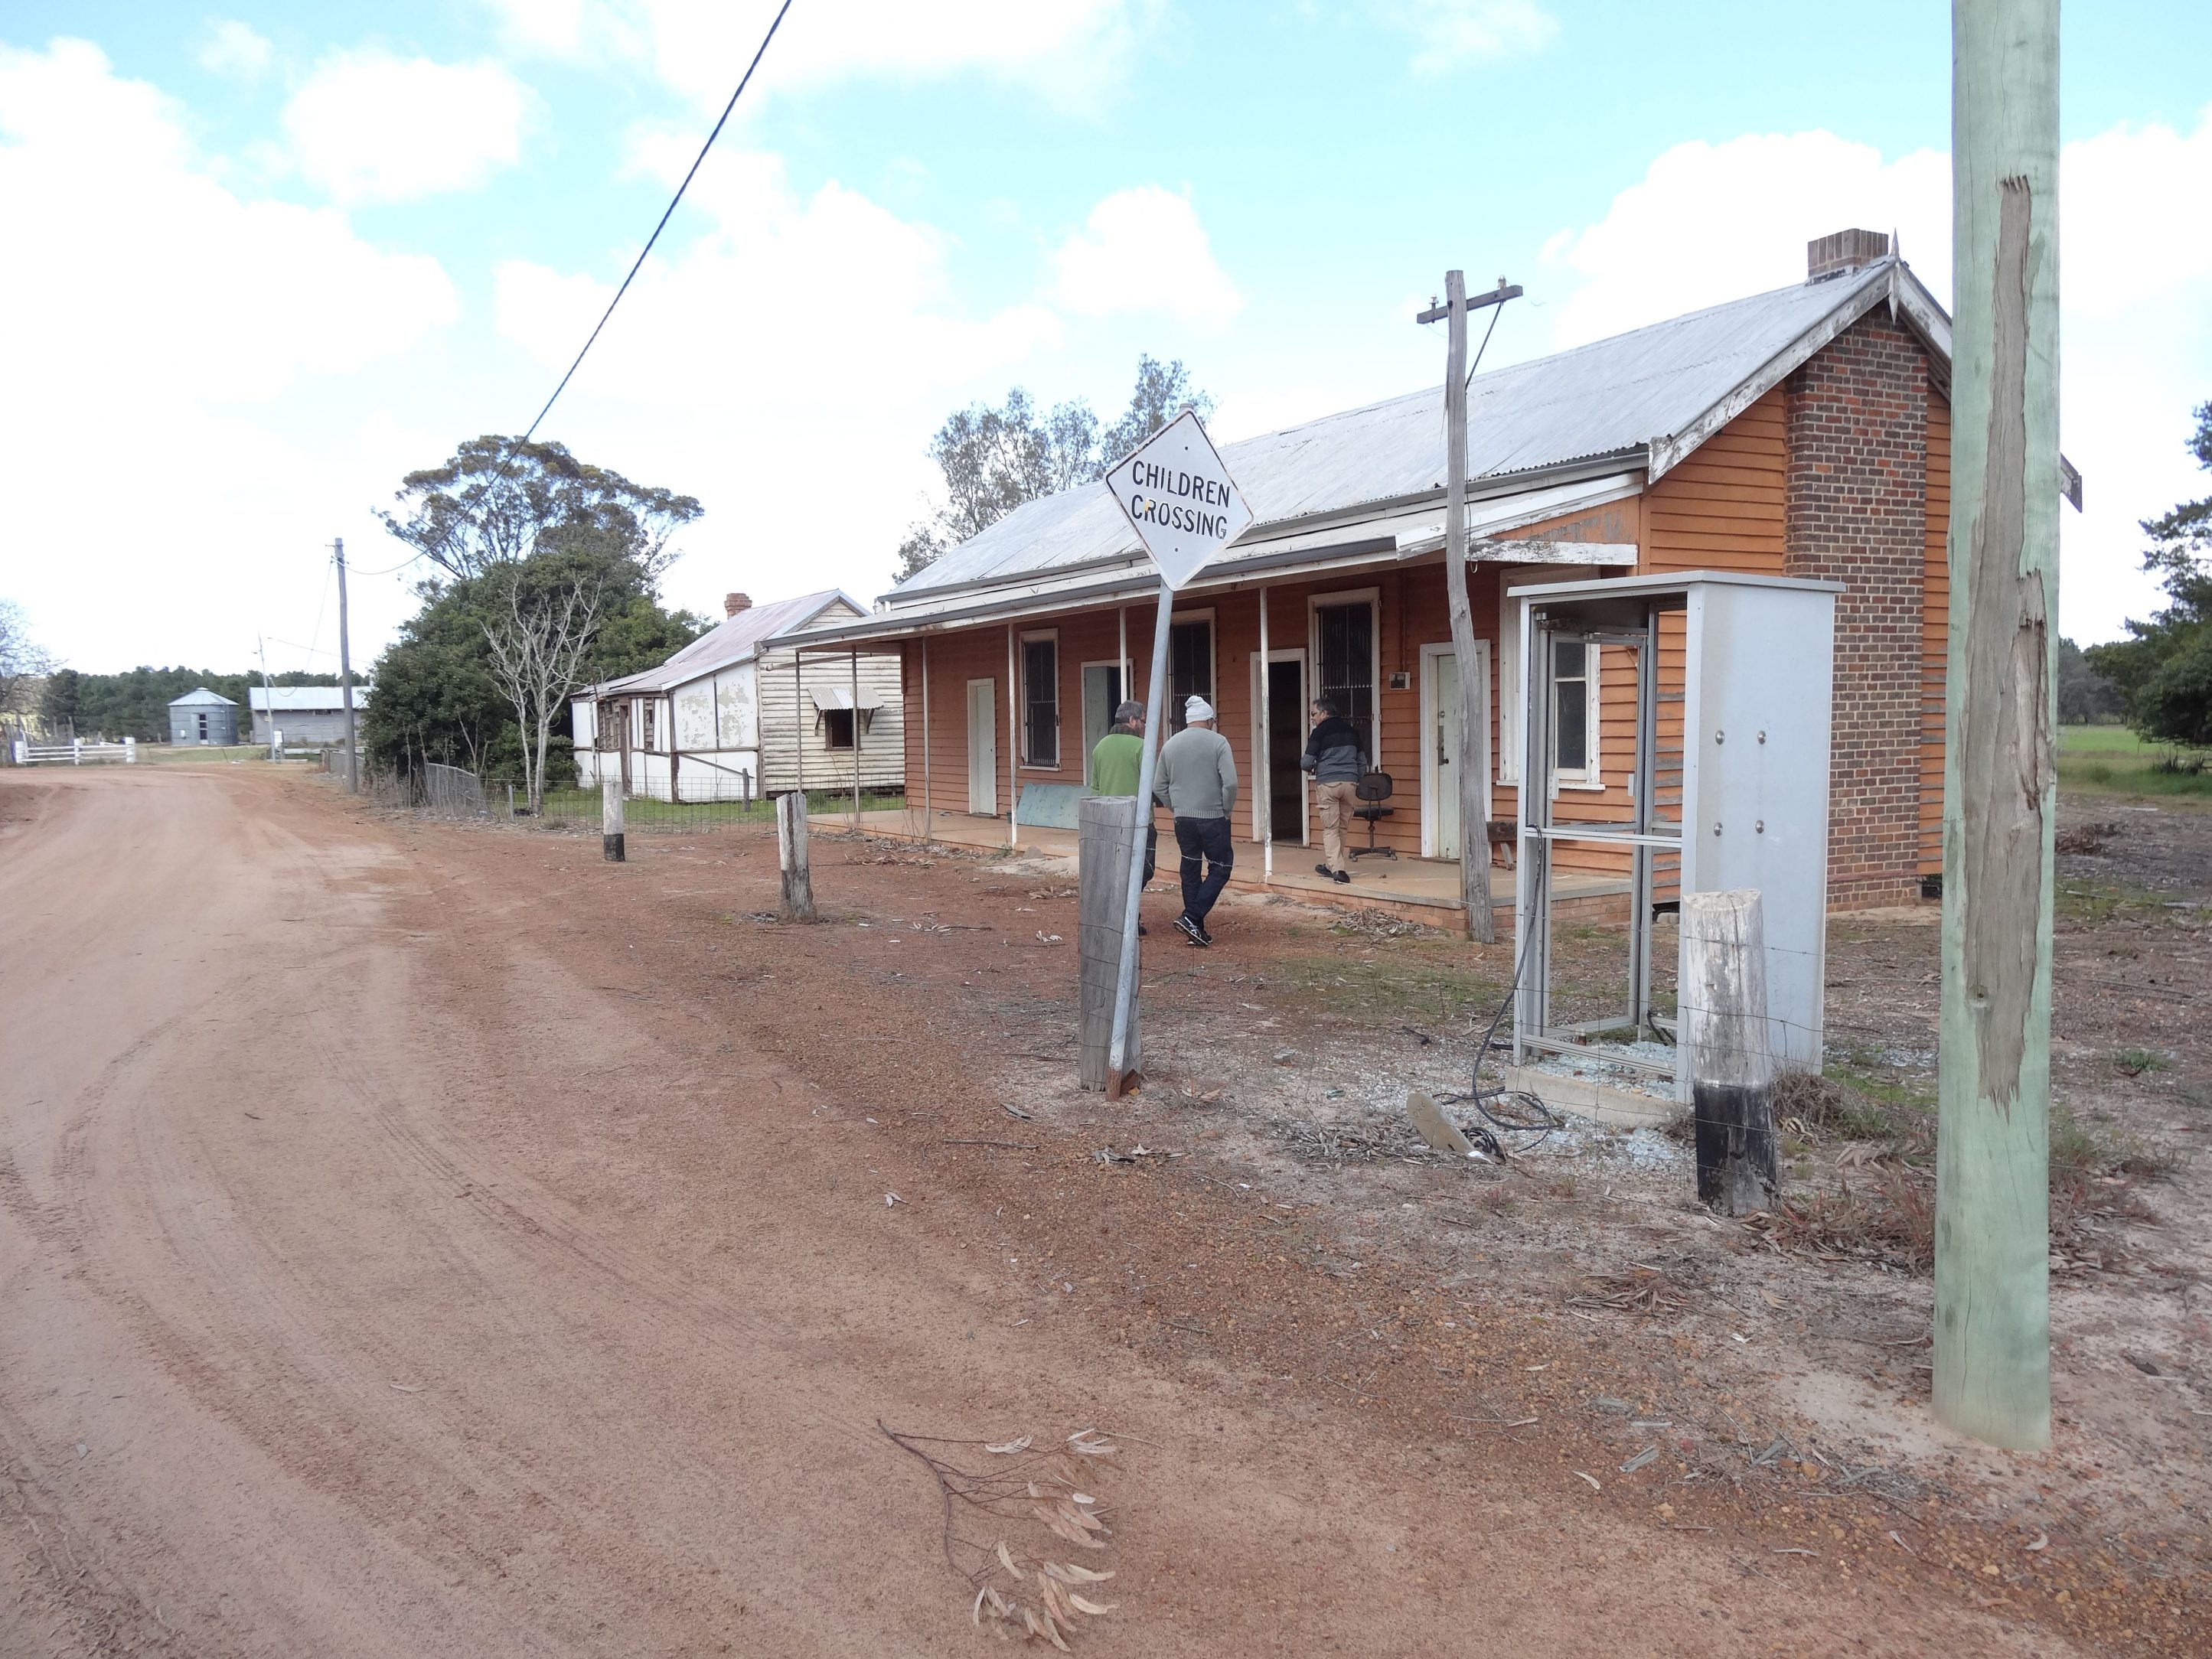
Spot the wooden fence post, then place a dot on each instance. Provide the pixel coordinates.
(1104, 829)
(611, 815)
(791, 854)
(1723, 1034)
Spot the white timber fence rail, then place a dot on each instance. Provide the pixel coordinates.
(76, 752)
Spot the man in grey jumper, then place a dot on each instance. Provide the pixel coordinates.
(1197, 782)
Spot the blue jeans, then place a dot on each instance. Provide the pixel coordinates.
(1204, 841)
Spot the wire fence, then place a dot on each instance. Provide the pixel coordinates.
(454, 793)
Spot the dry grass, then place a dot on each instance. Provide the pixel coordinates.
(1873, 1194)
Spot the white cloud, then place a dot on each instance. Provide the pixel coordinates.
(234, 48)
(1453, 33)
(370, 127)
(1711, 222)
(1144, 250)
(1071, 49)
(786, 367)
(169, 313)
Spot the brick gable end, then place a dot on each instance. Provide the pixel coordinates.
(1855, 505)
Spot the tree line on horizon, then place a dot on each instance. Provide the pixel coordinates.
(135, 703)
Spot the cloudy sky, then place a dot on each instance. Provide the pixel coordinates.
(262, 261)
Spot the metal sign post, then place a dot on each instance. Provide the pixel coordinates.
(1185, 509)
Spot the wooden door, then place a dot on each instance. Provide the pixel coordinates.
(1440, 741)
(983, 748)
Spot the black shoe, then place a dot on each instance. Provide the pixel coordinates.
(1141, 930)
(1323, 870)
(1204, 938)
(1191, 931)
(1344, 875)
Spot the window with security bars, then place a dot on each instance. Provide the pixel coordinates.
(1190, 666)
(1348, 662)
(1041, 703)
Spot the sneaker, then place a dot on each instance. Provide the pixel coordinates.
(1344, 875)
(1191, 931)
(1323, 870)
(1204, 938)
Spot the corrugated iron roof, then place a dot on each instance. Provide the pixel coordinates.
(202, 695)
(1606, 398)
(733, 640)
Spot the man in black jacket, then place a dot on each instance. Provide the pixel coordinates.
(1336, 755)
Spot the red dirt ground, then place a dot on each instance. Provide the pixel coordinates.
(417, 1239)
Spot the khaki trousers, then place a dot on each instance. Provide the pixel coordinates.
(1337, 802)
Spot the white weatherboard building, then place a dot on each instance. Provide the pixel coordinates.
(738, 714)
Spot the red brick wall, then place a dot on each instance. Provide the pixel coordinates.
(1856, 511)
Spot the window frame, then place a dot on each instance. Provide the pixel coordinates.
(1372, 599)
(1590, 775)
(1512, 615)
(1212, 691)
(1029, 759)
(829, 718)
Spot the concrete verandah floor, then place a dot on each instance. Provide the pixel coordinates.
(1417, 887)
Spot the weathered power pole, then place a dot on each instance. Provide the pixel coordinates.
(345, 673)
(1474, 757)
(267, 697)
(1992, 1355)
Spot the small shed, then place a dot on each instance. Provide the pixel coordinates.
(202, 716)
(307, 715)
(740, 712)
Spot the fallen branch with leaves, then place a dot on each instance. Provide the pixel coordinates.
(992, 1491)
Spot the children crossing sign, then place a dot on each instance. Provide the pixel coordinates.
(1180, 499)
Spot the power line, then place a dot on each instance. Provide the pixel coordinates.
(390, 569)
(665, 217)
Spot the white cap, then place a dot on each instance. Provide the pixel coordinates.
(1197, 708)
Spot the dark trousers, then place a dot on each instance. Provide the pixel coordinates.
(1205, 842)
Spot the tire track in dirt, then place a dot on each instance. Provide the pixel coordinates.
(641, 1304)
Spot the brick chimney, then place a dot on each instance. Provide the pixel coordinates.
(1843, 251)
(733, 603)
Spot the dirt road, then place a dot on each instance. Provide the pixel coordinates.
(398, 1256)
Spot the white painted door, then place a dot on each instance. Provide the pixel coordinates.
(983, 748)
(1102, 694)
(1440, 735)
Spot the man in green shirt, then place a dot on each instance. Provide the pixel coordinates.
(1115, 764)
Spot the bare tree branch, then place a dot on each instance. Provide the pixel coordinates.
(537, 652)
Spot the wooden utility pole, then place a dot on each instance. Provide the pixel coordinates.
(267, 697)
(791, 854)
(1724, 1044)
(345, 675)
(1992, 1338)
(1473, 757)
